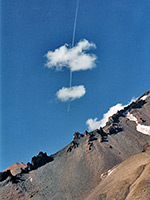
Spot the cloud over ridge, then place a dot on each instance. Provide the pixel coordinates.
(95, 123)
(71, 93)
(75, 58)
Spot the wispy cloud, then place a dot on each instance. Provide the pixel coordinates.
(95, 123)
(75, 58)
(71, 93)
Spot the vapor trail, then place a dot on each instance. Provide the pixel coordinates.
(75, 23)
(73, 38)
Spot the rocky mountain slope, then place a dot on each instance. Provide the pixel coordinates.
(89, 167)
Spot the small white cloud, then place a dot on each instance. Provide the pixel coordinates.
(94, 123)
(71, 93)
(74, 58)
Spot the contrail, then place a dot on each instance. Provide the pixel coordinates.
(75, 23)
(73, 38)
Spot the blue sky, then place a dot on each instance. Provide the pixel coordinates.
(32, 118)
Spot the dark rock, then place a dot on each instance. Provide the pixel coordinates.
(86, 133)
(90, 146)
(40, 160)
(77, 136)
(104, 137)
(37, 161)
(142, 120)
(114, 129)
(4, 175)
(29, 166)
(16, 179)
(138, 104)
(73, 145)
(114, 119)
(92, 137)
(27, 169)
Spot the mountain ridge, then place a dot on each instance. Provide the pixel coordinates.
(74, 171)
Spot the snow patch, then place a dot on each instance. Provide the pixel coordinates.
(104, 175)
(131, 117)
(110, 171)
(140, 128)
(143, 129)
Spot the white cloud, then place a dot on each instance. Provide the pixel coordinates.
(95, 123)
(74, 58)
(71, 93)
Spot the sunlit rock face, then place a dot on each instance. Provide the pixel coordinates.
(95, 165)
(16, 168)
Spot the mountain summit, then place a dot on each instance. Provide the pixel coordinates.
(106, 164)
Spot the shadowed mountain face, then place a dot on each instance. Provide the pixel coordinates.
(84, 168)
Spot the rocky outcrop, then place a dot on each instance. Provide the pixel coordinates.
(86, 133)
(99, 135)
(104, 137)
(38, 161)
(138, 104)
(4, 175)
(76, 141)
(114, 129)
(92, 137)
(77, 136)
(73, 145)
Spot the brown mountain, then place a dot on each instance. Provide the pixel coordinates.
(129, 180)
(95, 165)
(16, 168)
